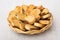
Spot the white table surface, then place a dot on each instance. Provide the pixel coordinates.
(7, 34)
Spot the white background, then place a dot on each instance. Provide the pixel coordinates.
(7, 34)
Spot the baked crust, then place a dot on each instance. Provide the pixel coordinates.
(30, 19)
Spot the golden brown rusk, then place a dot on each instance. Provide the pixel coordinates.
(30, 19)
